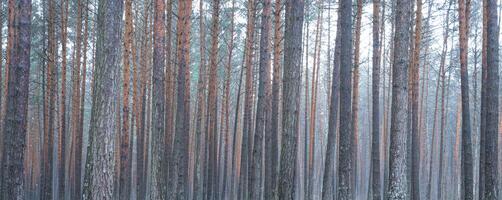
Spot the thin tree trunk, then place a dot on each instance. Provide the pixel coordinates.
(264, 109)
(375, 135)
(49, 111)
(272, 138)
(212, 114)
(467, 163)
(415, 77)
(248, 101)
(355, 95)
(329, 181)
(62, 108)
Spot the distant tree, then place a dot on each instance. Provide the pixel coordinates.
(375, 145)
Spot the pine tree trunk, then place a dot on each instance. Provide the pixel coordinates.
(248, 102)
(263, 112)
(125, 164)
(375, 135)
(272, 138)
(62, 108)
(355, 95)
(49, 111)
(183, 99)
(14, 129)
(329, 181)
(467, 160)
(398, 188)
(158, 98)
(291, 91)
(415, 137)
(212, 115)
(106, 84)
(345, 184)
(491, 102)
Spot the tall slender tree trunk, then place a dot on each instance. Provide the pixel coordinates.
(467, 162)
(375, 118)
(398, 188)
(158, 98)
(183, 99)
(125, 164)
(200, 130)
(62, 108)
(76, 146)
(329, 182)
(212, 114)
(14, 129)
(264, 109)
(491, 102)
(291, 91)
(346, 175)
(248, 101)
(415, 77)
(272, 138)
(355, 94)
(166, 163)
(49, 111)
(484, 75)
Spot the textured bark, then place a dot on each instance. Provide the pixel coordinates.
(62, 108)
(328, 190)
(14, 129)
(49, 106)
(491, 102)
(466, 191)
(106, 86)
(125, 157)
(345, 184)
(248, 101)
(484, 75)
(183, 99)
(158, 98)
(398, 188)
(415, 77)
(291, 91)
(264, 109)
(212, 103)
(272, 138)
(375, 115)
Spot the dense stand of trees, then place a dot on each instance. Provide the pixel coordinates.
(249, 99)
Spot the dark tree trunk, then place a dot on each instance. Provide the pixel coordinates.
(291, 91)
(398, 188)
(345, 184)
(467, 172)
(14, 130)
(183, 99)
(375, 145)
(491, 102)
(264, 109)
